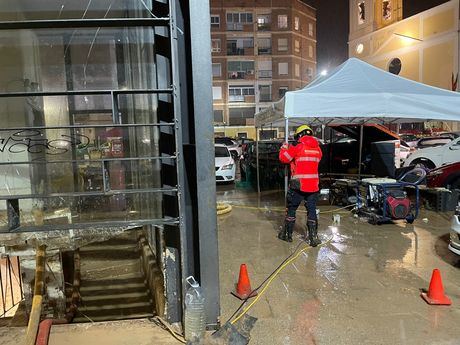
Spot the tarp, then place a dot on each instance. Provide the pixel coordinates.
(357, 93)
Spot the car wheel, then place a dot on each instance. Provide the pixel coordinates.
(424, 163)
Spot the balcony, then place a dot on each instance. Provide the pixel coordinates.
(235, 51)
(234, 27)
(263, 26)
(236, 98)
(265, 74)
(264, 51)
(240, 75)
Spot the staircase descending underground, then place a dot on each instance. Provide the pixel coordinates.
(113, 285)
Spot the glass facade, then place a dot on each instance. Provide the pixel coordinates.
(87, 131)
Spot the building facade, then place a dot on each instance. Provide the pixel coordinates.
(423, 47)
(260, 50)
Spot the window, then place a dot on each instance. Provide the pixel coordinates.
(395, 66)
(282, 90)
(237, 46)
(241, 116)
(216, 92)
(265, 93)
(215, 21)
(237, 93)
(359, 48)
(282, 44)
(263, 22)
(310, 29)
(297, 70)
(264, 46)
(361, 12)
(239, 69)
(218, 116)
(244, 18)
(216, 70)
(386, 10)
(242, 135)
(310, 51)
(282, 21)
(296, 23)
(265, 69)
(297, 46)
(310, 72)
(283, 68)
(215, 45)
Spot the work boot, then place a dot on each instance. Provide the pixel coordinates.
(286, 234)
(313, 233)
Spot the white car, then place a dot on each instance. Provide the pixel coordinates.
(434, 157)
(225, 164)
(454, 244)
(233, 146)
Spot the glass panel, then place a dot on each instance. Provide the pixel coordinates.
(12, 10)
(80, 59)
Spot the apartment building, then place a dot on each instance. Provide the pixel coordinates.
(260, 50)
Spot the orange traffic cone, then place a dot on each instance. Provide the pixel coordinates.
(435, 293)
(243, 287)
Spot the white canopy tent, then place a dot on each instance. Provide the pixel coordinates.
(358, 93)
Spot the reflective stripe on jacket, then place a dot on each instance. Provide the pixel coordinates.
(304, 159)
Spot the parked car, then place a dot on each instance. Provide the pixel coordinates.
(410, 139)
(447, 176)
(232, 145)
(433, 141)
(437, 156)
(454, 244)
(225, 164)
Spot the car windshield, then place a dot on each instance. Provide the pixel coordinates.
(430, 142)
(224, 141)
(222, 152)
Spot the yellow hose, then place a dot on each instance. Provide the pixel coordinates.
(223, 208)
(275, 274)
(35, 313)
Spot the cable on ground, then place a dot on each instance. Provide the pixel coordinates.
(166, 326)
(223, 208)
(292, 257)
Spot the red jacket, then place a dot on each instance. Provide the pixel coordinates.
(304, 159)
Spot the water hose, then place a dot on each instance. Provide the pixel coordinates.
(223, 208)
(35, 313)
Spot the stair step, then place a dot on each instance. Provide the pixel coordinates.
(115, 307)
(114, 241)
(103, 269)
(112, 295)
(115, 303)
(106, 247)
(109, 253)
(81, 319)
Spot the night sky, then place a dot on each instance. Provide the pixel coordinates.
(333, 23)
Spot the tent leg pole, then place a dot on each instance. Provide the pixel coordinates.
(286, 171)
(257, 160)
(361, 132)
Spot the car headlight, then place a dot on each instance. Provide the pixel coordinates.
(227, 167)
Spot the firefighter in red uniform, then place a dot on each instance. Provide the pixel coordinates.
(304, 159)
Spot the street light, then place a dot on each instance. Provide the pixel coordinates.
(324, 72)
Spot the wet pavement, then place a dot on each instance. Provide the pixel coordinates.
(363, 287)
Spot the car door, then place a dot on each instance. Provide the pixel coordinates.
(451, 152)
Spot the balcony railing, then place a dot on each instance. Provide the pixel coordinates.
(263, 26)
(236, 98)
(234, 27)
(235, 51)
(265, 51)
(265, 74)
(239, 75)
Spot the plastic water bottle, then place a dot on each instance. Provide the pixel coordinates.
(194, 311)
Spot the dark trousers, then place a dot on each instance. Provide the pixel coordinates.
(293, 200)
